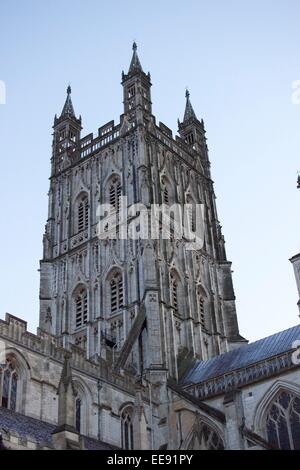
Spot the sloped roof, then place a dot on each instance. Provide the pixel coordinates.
(39, 431)
(25, 426)
(242, 357)
(93, 444)
(210, 410)
(135, 63)
(189, 112)
(68, 109)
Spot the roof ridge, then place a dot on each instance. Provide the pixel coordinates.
(242, 357)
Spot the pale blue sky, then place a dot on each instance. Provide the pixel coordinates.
(238, 58)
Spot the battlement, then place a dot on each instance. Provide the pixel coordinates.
(14, 329)
(106, 134)
(109, 133)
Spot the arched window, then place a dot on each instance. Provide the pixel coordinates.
(82, 406)
(115, 192)
(166, 191)
(191, 214)
(165, 195)
(78, 415)
(202, 300)
(116, 292)
(127, 429)
(8, 384)
(283, 421)
(81, 307)
(174, 290)
(204, 438)
(82, 213)
(202, 312)
(189, 138)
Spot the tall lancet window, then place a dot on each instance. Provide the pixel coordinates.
(166, 198)
(283, 421)
(202, 313)
(167, 193)
(115, 192)
(127, 429)
(191, 214)
(131, 91)
(116, 292)
(81, 307)
(82, 213)
(78, 415)
(174, 290)
(202, 306)
(8, 384)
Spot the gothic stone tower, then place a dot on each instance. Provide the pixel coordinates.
(142, 304)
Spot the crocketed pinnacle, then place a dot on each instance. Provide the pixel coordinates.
(135, 63)
(189, 112)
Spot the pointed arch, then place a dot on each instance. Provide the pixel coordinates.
(191, 211)
(175, 289)
(14, 377)
(23, 362)
(114, 290)
(113, 190)
(190, 193)
(277, 415)
(83, 401)
(81, 212)
(204, 435)
(80, 306)
(167, 192)
(202, 306)
(127, 437)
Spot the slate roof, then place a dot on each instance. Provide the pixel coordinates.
(242, 357)
(93, 444)
(25, 426)
(37, 430)
(219, 415)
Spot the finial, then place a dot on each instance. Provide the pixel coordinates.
(189, 112)
(135, 64)
(68, 109)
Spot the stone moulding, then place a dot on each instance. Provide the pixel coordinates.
(242, 377)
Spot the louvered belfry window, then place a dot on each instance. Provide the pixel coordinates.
(116, 293)
(165, 195)
(115, 192)
(202, 310)
(83, 214)
(81, 305)
(174, 291)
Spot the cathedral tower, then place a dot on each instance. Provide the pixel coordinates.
(143, 304)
